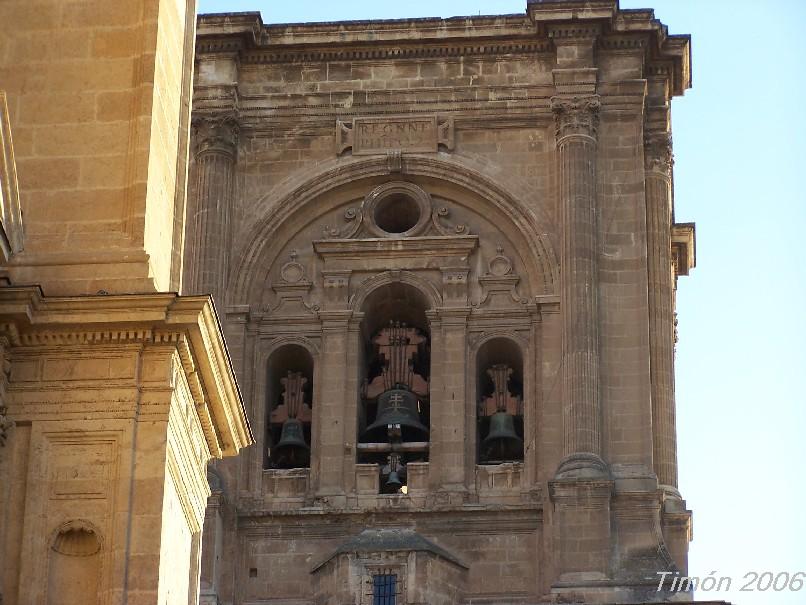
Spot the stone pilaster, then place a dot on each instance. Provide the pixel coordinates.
(577, 120)
(216, 140)
(658, 156)
(330, 415)
(448, 406)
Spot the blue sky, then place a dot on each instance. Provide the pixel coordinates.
(740, 159)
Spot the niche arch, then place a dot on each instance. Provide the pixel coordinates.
(290, 375)
(292, 201)
(500, 391)
(74, 563)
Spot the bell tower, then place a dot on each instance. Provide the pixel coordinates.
(449, 266)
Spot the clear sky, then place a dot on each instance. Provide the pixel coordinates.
(740, 160)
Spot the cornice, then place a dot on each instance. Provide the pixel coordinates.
(683, 248)
(544, 25)
(190, 324)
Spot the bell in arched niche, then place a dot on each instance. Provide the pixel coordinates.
(395, 404)
(500, 418)
(293, 414)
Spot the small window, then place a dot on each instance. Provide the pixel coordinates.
(384, 589)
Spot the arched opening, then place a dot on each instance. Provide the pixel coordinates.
(394, 415)
(289, 414)
(499, 387)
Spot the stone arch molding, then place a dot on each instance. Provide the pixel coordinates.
(262, 244)
(425, 287)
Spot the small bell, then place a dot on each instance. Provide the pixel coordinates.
(291, 450)
(502, 442)
(393, 484)
(395, 473)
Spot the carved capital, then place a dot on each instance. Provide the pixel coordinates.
(658, 156)
(216, 134)
(576, 116)
(5, 425)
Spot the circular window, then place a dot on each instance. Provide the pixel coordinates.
(397, 213)
(397, 209)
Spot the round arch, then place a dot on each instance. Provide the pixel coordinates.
(272, 211)
(368, 287)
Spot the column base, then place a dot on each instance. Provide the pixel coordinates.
(582, 465)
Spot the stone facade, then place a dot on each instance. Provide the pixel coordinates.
(113, 394)
(446, 257)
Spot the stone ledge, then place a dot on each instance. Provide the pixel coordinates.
(30, 319)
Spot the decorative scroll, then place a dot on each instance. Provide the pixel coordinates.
(380, 135)
(398, 346)
(502, 400)
(353, 217)
(293, 400)
(441, 213)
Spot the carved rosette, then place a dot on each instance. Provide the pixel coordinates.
(576, 116)
(658, 156)
(216, 134)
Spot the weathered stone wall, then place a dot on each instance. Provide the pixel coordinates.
(99, 103)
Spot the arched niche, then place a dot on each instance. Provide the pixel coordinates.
(499, 390)
(74, 564)
(289, 380)
(396, 366)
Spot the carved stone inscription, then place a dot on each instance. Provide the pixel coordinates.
(414, 134)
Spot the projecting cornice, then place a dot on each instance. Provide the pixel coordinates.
(29, 319)
(535, 32)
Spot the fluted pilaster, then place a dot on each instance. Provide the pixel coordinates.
(658, 156)
(577, 121)
(214, 173)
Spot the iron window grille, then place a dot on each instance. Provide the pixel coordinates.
(384, 589)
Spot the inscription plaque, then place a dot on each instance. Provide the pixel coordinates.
(379, 135)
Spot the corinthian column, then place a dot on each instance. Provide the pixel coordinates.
(658, 156)
(577, 121)
(216, 141)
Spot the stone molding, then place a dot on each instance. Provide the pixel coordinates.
(684, 244)
(535, 32)
(29, 319)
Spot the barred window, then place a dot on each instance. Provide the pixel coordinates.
(384, 589)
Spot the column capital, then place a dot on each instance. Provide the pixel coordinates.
(576, 116)
(216, 133)
(5, 425)
(658, 156)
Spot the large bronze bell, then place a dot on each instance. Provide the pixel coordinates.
(502, 442)
(291, 450)
(396, 407)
